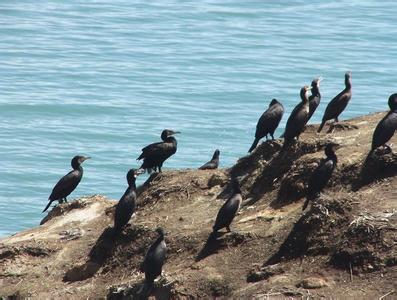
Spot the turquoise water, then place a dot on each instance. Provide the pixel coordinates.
(103, 78)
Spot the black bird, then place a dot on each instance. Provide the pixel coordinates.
(322, 174)
(67, 184)
(153, 262)
(337, 105)
(298, 118)
(315, 97)
(126, 206)
(385, 129)
(268, 122)
(229, 209)
(155, 154)
(213, 163)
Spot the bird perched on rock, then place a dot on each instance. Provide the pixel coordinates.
(213, 163)
(322, 174)
(268, 122)
(385, 129)
(338, 104)
(68, 183)
(298, 118)
(315, 97)
(126, 205)
(155, 154)
(153, 262)
(229, 209)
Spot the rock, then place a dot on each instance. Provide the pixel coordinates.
(81, 272)
(217, 179)
(312, 283)
(264, 273)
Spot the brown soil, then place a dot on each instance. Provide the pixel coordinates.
(343, 246)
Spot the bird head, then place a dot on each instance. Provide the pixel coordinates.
(393, 101)
(167, 133)
(78, 160)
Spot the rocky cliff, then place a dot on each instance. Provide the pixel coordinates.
(344, 245)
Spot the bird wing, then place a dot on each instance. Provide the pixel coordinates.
(228, 211)
(65, 185)
(334, 107)
(209, 165)
(321, 176)
(150, 149)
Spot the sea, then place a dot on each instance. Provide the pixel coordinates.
(104, 78)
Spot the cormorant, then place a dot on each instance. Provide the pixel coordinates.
(126, 206)
(268, 122)
(336, 106)
(298, 118)
(322, 174)
(155, 154)
(153, 262)
(315, 97)
(229, 209)
(213, 163)
(66, 185)
(387, 126)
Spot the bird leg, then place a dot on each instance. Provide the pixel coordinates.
(272, 136)
(228, 229)
(66, 201)
(336, 120)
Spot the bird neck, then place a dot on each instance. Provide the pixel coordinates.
(77, 167)
(315, 91)
(304, 97)
(132, 185)
(171, 139)
(215, 157)
(332, 156)
(348, 84)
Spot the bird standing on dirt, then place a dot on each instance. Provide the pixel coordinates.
(315, 97)
(268, 122)
(337, 105)
(68, 183)
(322, 174)
(229, 209)
(153, 262)
(385, 129)
(155, 154)
(213, 163)
(298, 118)
(126, 205)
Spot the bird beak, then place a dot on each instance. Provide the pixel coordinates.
(175, 132)
(139, 172)
(320, 79)
(86, 157)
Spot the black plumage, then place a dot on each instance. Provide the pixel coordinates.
(126, 205)
(338, 104)
(268, 122)
(385, 129)
(155, 154)
(229, 209)
(298, 118)
(213, 163)
(322, 174)
(315, 97)
(153, 262)
(67, 184)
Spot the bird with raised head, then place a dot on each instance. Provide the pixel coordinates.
(338, 104)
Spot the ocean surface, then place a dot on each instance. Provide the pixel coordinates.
(103, 78)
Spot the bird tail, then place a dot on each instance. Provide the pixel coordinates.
(321, 126)
(254, 144)
(48, 205)
(305, 204)
(145, 290)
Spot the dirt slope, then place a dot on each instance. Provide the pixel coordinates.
(344, 245)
